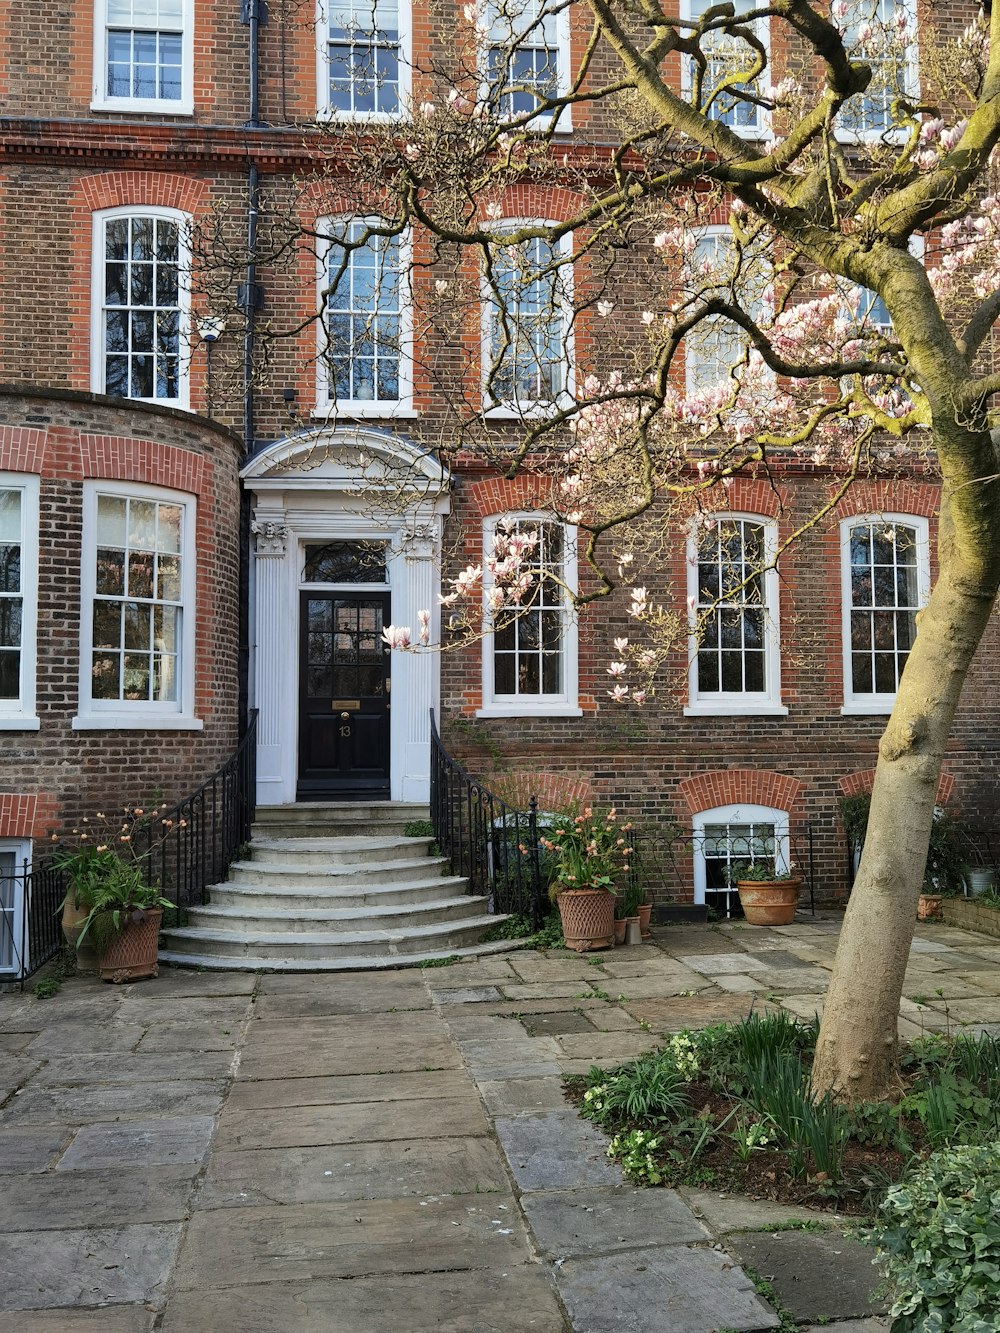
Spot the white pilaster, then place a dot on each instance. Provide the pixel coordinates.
(271, 638)
(420, 546)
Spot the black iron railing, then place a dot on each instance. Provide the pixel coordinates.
(192, 846)
(489, 843)
(676, 863)
(30, 930)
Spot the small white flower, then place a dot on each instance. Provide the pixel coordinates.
(604, 308)
(647, 317)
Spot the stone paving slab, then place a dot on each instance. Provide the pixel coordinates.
(318, 1241)
(173, 983)
(77, 1038)
(815, 1276)
(160, 1066)
(467, 995)
(369, 1048)
(535, 968)
(207, 1036)
(557, 1023)
(556, 1150)
(709, 964)
(310, 1126)
(597, 1045)
(27, 1148)
(672, 1289)
(334, 1090)
(544, 990)
(107, 1319)
(982, 1010)
(405, 1169)
(593, 1221)
(516, 1299)
(13, 1043)
(497, 971)
(698, 1011)
(78, 1105)
(659, 987)
(125, 1264)
(523, 1096)
(151, 1008)
(139, 1143)
(96, 1198)
(732, 1212)
(302, 996)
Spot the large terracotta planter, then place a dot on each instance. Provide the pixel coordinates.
(132, 955)
(588, 918)
(769, 902)
(929, 907)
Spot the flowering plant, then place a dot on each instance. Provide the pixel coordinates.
(589, 851)
(759, 872)
(102, 860)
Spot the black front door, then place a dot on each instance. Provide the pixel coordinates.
(343, 695)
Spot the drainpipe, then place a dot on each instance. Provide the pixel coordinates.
(253, 13)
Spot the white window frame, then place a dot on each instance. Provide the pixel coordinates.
(765, 703)
(405, 63)
(563, 49)
(876, 704)
(761, 308)
(522, 409)
(19, 714)
(328, 406)
(103, 101)
(564, 704)
(113, 714)
(98, 342)
(737, 814)
(21, 847)
(911, 77)
(762, 128)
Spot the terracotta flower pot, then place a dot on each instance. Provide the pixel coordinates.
(929, 907)
(132, 954)
(620, 924)
(769, 902)
(645, 912)
(588, 918)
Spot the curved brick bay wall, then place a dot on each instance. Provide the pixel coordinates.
(53, 770)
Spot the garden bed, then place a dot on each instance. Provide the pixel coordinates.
(728, 1108)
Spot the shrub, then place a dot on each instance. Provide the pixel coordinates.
(938, 1241)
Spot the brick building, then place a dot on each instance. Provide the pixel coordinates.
(189, 532)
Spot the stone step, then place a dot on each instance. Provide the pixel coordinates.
(252, 919)
(367, 963)
(325, 818)
(317, 946)
(371, 875)
(275, 897)
(338, 851)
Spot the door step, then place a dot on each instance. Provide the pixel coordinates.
(335, 887)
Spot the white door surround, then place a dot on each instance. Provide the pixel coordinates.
(343, 484)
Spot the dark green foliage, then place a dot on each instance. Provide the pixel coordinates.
(418, 828)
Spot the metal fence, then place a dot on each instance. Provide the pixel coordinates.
(30, 929)
(207, 829)
(487, 841)
(677, 864)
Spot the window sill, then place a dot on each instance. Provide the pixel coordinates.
(20, 722)
(728, 709)
(141, 722)
(526, 412)
(873, 709)
(521, 710)
(364, 411)
(328, 116)
(160, 106)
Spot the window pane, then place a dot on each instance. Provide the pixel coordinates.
(10, 673)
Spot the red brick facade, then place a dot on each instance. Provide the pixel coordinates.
(61, 162)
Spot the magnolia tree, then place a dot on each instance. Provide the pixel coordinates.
(840, 310)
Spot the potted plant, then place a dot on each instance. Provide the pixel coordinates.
(645, 915)
(109, 889)
(768, 896)
(84, 868)
(590, 855)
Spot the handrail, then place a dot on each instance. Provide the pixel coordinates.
(487, 842)
(207, 828)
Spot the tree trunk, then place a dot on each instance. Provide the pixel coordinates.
(857, 1047)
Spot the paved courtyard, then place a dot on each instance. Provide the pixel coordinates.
(392, 1151)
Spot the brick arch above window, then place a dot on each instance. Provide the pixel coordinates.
(120, 458)
(751, 495)
(852, 784)
(500, 495)
(920, 499)
(740, 786)
(143, 189)
(536, 201)
(22, 449)
(553, 791)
